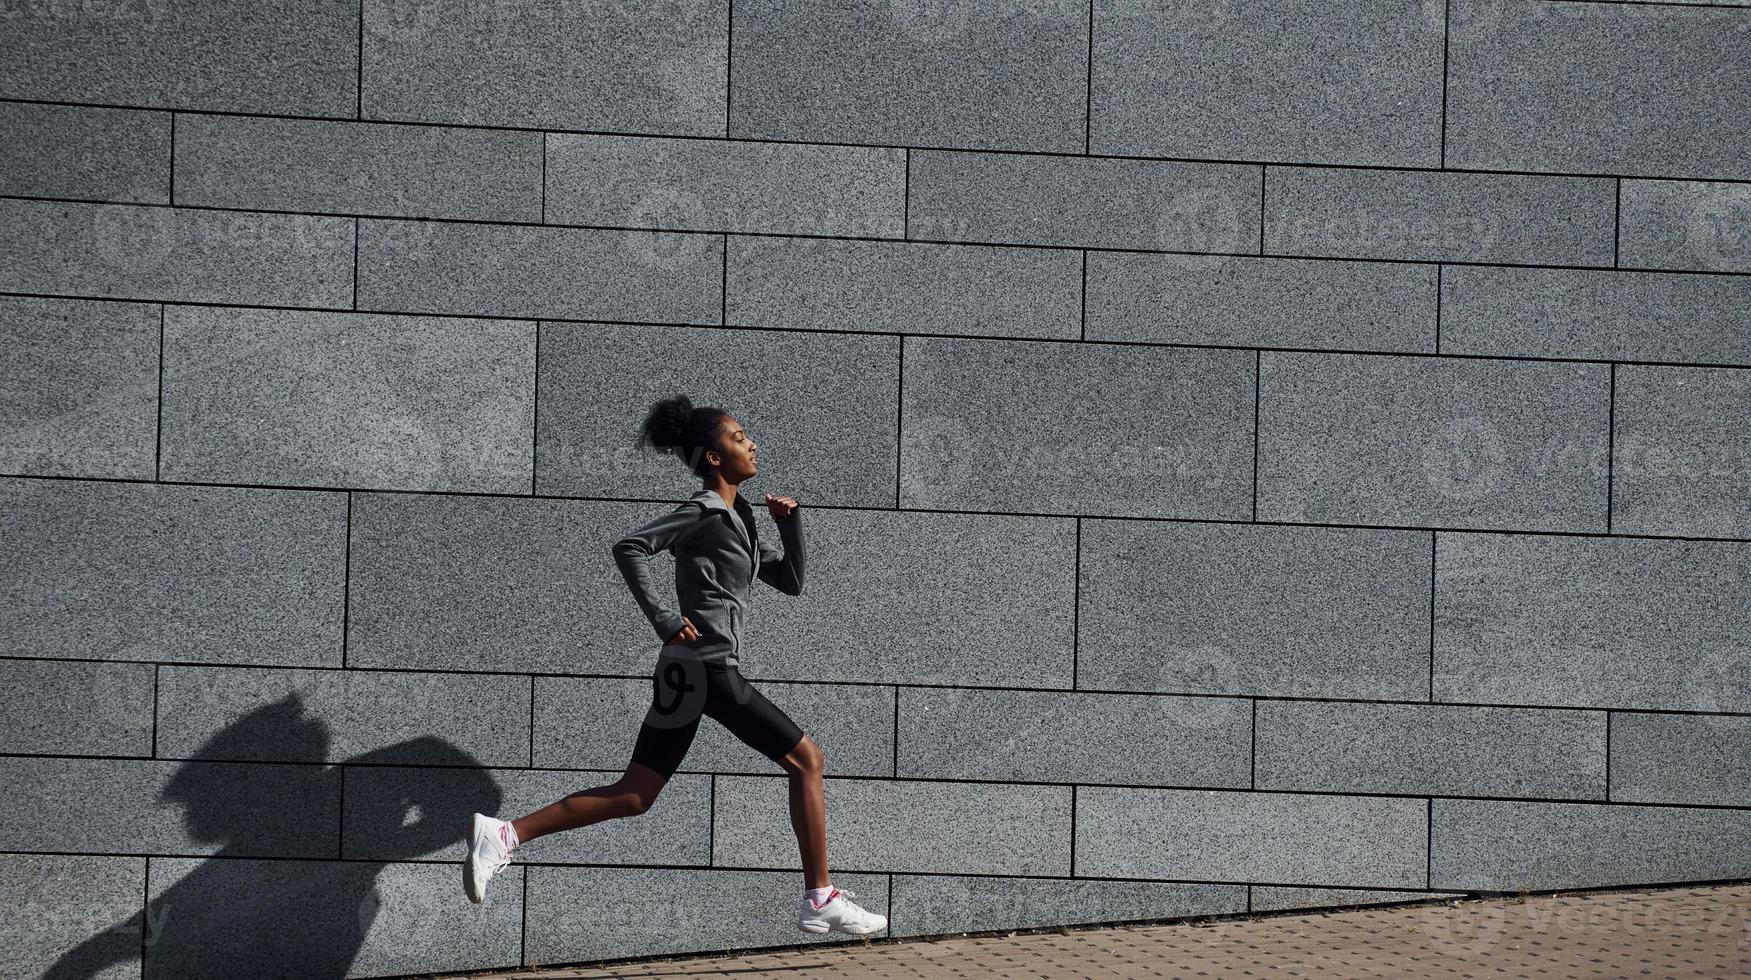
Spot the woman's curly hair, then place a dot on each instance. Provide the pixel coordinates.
(677, 427)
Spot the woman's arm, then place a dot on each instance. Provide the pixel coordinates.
(633, 554)
(782, 567)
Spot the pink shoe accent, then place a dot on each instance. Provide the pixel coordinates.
(830, 896)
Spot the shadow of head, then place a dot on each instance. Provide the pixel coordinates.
(263, 786)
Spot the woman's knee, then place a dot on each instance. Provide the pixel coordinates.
(805, 758)
(639, 788)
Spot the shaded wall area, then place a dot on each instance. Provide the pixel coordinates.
(1255, 455)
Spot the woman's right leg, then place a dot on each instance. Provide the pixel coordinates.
(631, 794)
(678, 696)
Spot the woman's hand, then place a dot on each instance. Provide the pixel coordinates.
(687, 634)
(780, 507)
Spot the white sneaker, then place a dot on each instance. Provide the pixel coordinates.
(840, 914)
(486, 856)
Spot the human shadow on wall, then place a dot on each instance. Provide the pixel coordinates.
(235, 917)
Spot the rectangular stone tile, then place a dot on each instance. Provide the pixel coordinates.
(977, 76)
(1657, 758)
(645, 67)
(1108, 429)
(1432, 441)
(1433, 750)
(358, 168)
(467, 583)
(130, 251)
(593, 722)
(214, 713)
(74, 915)
(1597, 315)
(717, 185)
(935, 599)
(1074, 737)
(78, 387)
(1251, 302)
(418, 926)
(1093, 202)
(597, 383)
(1508, 846)
(580, 914)
(1598, 88)
(241, 918)
(1272, 898)
(1361, 85)
(380, 800)
(522, 271)
(1686, 225)
(1439, 216)
(298, 57)
(159, 807)
(68, 708)
(935, 905)
(827, 284)
(1242, 609)
(292, 397)
(118, 155)
(901, 825)
(1223, 835)
(1593, 622)
(150, 572)
(1681, 462)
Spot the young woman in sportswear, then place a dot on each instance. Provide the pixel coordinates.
(718, 553)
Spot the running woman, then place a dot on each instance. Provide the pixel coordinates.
(718, 553)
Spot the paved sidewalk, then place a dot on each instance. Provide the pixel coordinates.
(1644, 932)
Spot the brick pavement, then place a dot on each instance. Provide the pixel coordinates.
(1691, 931)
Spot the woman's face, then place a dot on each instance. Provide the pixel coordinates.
(737, 450)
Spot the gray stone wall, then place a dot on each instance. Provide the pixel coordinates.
(1257, 454)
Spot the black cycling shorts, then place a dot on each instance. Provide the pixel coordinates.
(682, 688)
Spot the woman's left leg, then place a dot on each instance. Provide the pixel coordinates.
(746, 712)
(750, 716)
(808, 809)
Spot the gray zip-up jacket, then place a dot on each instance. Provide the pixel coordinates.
(718, 554)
